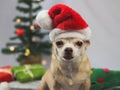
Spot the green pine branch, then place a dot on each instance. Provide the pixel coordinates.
(23, 39)
(14, 38)
(45, 44)
(37, 9)
(8, 51)
(36, 1)
(40, 34)
(25, 27)
(24, 19)
(12, 44)
(29, 1)
(25, 1)
(26, 10)
(22, 9)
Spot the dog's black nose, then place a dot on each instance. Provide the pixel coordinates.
(68, 50)
(68, 53)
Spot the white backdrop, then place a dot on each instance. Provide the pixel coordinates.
(103, 17)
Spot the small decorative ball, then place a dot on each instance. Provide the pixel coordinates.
(106, 70)
(19, 31)
(18, 20)
(36, 26)
(100, 80)
(27, 52)
(32, 27)
(12, 48)
(33, 39)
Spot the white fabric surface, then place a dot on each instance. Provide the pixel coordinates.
(24, 86)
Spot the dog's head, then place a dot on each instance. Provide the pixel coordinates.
(69, 49)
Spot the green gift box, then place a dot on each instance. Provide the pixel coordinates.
(27, 73)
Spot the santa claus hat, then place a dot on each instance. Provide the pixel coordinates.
(63, 22)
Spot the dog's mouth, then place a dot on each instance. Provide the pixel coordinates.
(68, 57)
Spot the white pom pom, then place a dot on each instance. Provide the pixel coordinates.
(44, 20)
(4, 86)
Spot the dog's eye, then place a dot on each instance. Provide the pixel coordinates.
(79, 43)
(59, 43)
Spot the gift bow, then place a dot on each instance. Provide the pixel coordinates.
(28, 70)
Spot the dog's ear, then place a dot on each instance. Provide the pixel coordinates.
(87, 42)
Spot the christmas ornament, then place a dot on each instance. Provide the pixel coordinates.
(19, 31)
(100, 80)
(32, 27)
(33, 39)
(27, 52)
(36, 26)
(18, 20)
(12, 48)
(106, 70)
(63, 22)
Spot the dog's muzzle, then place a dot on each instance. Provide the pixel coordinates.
(68, 53)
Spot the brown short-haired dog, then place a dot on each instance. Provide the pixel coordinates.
(70, 66)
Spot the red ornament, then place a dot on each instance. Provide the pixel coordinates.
(100, 80)
(36, 26)
(106, 70)
(19, 31)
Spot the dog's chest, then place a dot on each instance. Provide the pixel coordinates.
(71, 79)
(69, 70)
(73, 87)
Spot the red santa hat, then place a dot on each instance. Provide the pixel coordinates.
(63, 22)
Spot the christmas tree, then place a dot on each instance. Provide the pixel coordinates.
(31, 38)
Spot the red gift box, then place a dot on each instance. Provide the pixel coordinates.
(6, 74)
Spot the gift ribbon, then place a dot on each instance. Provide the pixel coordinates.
(28, 70)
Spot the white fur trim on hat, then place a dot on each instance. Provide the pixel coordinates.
(44, 20)
(84, 34)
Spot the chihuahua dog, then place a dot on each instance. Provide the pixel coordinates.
(70, 66)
